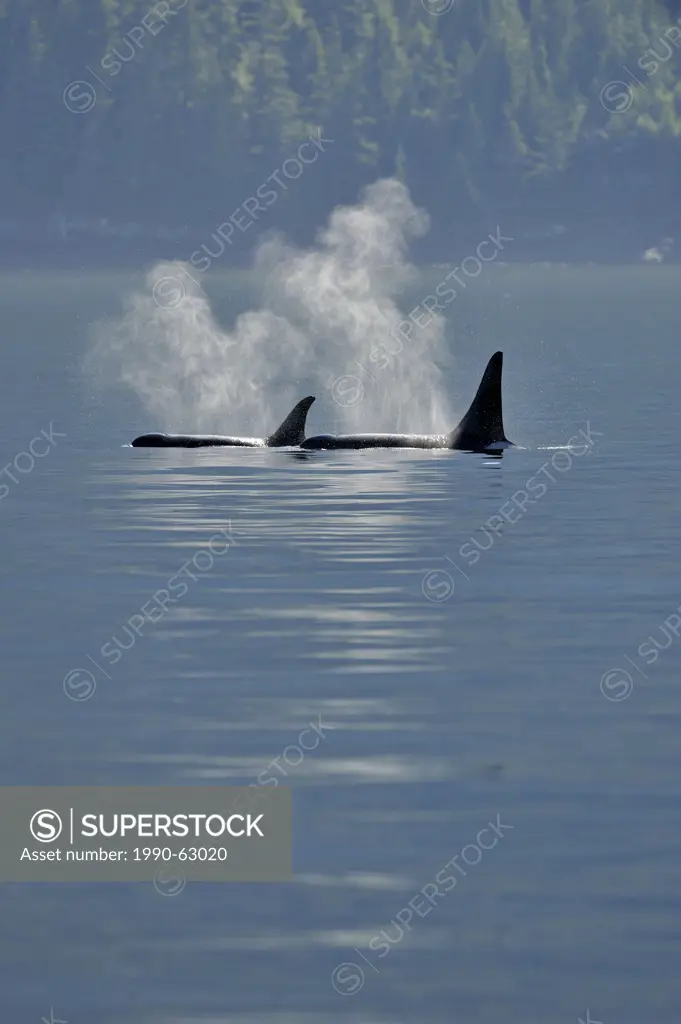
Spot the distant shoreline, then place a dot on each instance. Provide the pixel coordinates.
(39, 248)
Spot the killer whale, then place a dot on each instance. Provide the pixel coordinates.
(291, 432)
(481, 429)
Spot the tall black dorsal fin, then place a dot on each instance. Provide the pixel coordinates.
(292, 430)
(483, 424)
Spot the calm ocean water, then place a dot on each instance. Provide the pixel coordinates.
(451, 691)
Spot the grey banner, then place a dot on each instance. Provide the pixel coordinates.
(165, 834)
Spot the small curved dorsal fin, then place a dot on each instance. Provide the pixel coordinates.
(292, 430)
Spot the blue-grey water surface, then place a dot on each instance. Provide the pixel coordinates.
(449, 693)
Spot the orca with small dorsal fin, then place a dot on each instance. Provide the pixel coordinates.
(481, 429)
(291, 432)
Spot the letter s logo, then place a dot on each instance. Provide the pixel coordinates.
(45, 826)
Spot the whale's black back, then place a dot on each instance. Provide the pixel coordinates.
(291, 432)
(195, 441)
(480, 429)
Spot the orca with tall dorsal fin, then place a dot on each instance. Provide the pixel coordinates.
(291, 432)
(481, 429)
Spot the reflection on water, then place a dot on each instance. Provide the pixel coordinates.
(436, 710)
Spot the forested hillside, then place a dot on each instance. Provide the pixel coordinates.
(172, 113)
